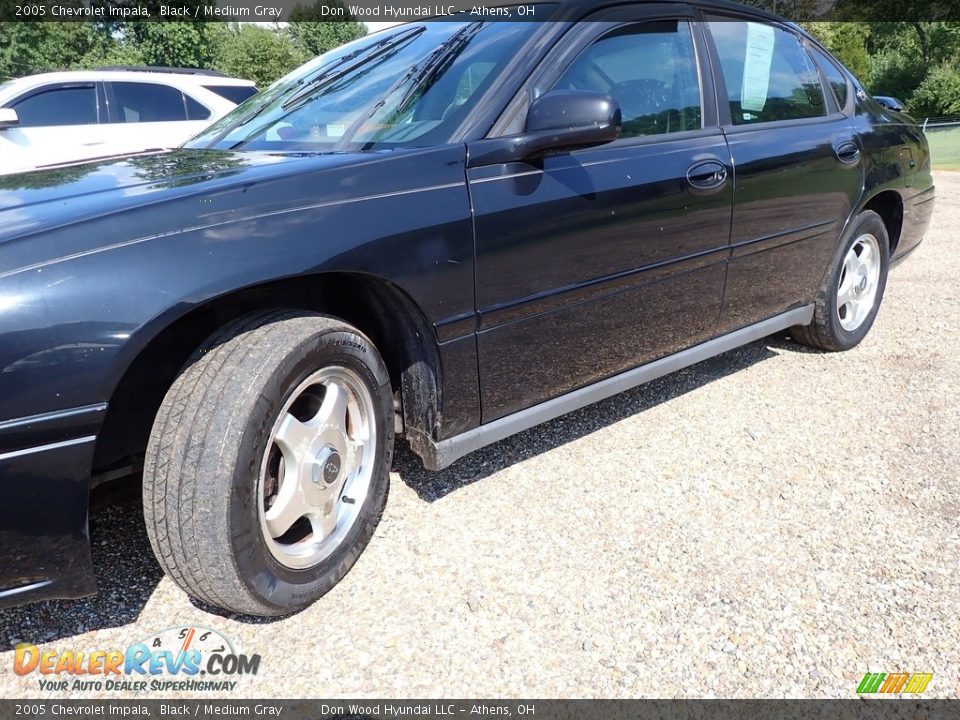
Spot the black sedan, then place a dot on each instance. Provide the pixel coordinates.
(451, 231)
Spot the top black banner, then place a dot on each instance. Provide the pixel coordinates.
(113, 11)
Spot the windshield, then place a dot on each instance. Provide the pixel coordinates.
(410, 86)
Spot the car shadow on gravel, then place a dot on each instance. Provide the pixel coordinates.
(431, 486)
(126, 572)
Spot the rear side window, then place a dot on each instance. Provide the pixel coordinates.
(768, 74)
(836, 78)
(59, 106)
(147, 102)
(650, 69)
(234, 93)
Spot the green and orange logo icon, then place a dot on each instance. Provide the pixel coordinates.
(894, 683)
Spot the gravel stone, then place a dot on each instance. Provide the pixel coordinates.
(774, 522)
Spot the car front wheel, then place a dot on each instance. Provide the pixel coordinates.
(268, 465)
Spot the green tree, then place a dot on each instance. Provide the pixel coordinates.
(847, 41)
(257, 54)
(896, 73)
(31, 47)
(176, 44)
(939, 93)
(315, 36)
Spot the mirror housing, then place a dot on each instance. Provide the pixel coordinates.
(557, 120)
(8, 118)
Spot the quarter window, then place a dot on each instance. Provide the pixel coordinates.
(147, 102)
(234, 93)
(836, 78)
(195, 111)
(61, 106)
(768, 74)
(650, 69)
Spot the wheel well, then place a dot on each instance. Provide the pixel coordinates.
(889, 206)
(376, 307)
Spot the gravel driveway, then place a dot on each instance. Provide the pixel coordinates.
(773, 522)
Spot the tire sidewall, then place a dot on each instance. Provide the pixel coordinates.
(266, 578)
(871, 223)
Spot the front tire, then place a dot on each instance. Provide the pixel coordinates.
(850, 297)
(267, 469)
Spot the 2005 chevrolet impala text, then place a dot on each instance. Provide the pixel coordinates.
(448, 230)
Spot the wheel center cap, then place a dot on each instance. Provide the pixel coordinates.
(327, 467)
(862, 285)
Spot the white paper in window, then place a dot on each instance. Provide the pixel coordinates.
(756, 66)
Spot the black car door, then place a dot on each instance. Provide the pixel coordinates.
(593, 261)
(797, 161)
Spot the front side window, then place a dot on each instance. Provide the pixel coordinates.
(410, 86)
(147, 102)
(59, 106)
(768, 74)
(650, 69)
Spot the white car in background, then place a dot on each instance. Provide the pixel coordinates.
(59, 117)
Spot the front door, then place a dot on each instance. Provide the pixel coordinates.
(594, 261)
(58, 123)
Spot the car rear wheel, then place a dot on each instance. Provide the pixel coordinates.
(850, 297)
(268, 465)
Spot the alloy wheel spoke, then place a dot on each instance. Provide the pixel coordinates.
(294, 437)
(323, 524)
(289, 506)
(844, 296)
(333, 409)
(354, 453)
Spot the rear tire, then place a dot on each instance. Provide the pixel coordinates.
(850, 297)
(267, 469)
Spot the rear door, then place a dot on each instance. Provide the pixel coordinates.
(594, 261)
(151, 115)
(797, 161)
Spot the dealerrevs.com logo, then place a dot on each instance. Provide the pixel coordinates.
(175, 659)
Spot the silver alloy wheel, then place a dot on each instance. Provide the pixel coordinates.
(859, 279)
(317, 468)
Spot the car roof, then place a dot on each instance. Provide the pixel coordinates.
(168, 78)
(578, 8)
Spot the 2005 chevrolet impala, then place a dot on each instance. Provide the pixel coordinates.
(449, 230)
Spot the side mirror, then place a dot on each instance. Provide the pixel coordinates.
(8, 118)
(571, 118)
(557, 120)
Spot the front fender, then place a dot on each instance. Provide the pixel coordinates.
(72, 323)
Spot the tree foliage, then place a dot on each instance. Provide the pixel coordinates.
(917, 62)
(257, 54)
(310, 32)
(847, 41)
(939, 93)
(249, 51)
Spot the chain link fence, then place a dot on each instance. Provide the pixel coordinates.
(944, 137)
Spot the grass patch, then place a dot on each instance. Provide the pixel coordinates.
(944, 148)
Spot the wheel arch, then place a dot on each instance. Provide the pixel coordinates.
(377, 307)
(888, 204)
